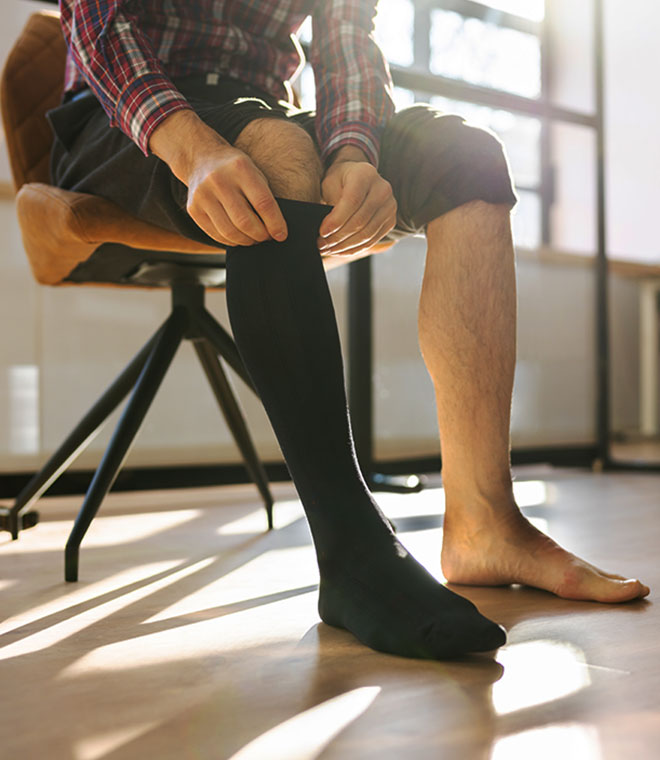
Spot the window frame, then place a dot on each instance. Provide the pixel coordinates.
(419, 78)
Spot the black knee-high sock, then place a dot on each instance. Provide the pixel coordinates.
(285, 329)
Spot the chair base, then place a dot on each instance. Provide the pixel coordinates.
(13, 522)
(188, 320)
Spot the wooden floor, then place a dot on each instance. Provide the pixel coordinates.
(194, 635)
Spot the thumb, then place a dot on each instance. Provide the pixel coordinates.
(331, 187)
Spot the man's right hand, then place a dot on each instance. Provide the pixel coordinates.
(228, 196)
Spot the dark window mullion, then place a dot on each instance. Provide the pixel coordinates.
(456, 89)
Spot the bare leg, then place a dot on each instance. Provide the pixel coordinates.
(286, 155)
(467, 322)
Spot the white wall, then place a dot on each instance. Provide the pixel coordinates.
(633, 123)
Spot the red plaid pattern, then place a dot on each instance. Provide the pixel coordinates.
(128, 52)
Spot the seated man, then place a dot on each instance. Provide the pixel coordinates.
(180, 112)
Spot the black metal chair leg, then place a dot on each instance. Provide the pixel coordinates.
(146, 387)
(228, 403)
(223, 343)
(79, 438)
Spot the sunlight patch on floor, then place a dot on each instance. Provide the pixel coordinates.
(568, 741)
(117, 530)
(278, 570)
(106, 530)
(536, 672)
(100, 745)
(306, 735)
(531, 493)
(215, 637)
(430, 501)
(68, 595)
(58, 632)
(284, 513)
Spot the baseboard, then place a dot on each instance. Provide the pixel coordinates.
(189, 476)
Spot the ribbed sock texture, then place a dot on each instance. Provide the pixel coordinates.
(284, 325)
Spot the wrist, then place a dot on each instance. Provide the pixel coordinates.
(181, 139)
(348, 153)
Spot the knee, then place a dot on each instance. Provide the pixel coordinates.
(442, 150)
(286, 155)
(480, 151)
(423, 126)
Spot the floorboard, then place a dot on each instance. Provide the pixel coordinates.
(194, 634)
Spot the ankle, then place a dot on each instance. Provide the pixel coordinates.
(478, 498)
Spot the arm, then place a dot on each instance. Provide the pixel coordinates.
(353, 83)
(118, 62)
(353, 91)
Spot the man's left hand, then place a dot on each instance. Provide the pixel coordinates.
(364, 206)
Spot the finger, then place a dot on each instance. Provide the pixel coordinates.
(261, 198)
(361, 240)
(205, 208)
(362, 227)
(243, 217)
(219, 227)
(378, 199)
(205, 224)
(351, 198)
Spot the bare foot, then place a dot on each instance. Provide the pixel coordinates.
(511, 550)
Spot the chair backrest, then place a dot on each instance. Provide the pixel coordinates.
(31, 84)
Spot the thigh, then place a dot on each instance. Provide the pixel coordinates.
(90, 157)
(436, 162)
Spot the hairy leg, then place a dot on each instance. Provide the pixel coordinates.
(284, 325)
(467, 324)
(286, 154)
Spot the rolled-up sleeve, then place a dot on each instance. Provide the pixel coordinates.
(119, 64)
(353, 82)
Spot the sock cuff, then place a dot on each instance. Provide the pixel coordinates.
(303, 221)
(315, 212)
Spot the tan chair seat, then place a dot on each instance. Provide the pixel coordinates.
(61, 229)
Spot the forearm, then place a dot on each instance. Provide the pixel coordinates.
(181, 140)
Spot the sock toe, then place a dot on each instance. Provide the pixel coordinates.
(488, 636)
(476, 634)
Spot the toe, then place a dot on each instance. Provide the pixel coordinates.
(478, 634)
(633, 589)
(487, 636)
(625, 591)
(483, 636)
(613, 591)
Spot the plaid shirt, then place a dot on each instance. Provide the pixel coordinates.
(127, 51)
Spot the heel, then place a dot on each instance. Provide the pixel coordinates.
(329, 606)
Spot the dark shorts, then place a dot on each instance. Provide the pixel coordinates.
(434, 161)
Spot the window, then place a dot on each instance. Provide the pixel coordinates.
(485, 53)
(490, 62)
(395, 30)
(437, 48)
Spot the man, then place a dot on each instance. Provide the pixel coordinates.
(189, 134)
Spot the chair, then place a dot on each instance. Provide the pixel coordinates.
(77, 239)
